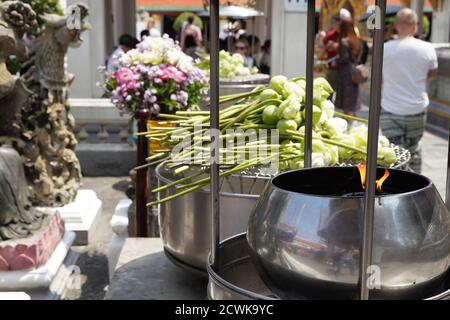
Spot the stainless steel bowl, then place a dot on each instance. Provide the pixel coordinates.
(236, 277)
(304, 235)
(185, 222)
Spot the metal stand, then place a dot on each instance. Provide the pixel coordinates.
(142, 116)
(309, 82)
(372, 150)
(447, 196)
(375, 99)
(214, 125)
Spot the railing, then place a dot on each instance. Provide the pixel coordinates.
(105, 138)
(98, 121)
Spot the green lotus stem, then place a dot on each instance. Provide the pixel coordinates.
(174, 183)
(298, 78)
(148, 164)
(171, 116)
(156, 156)
(154, 203)
(250, 109)
(332, 142)
(192, 113)
(221, 175)
(239, 167)
(348, 117)
(156, 135)
(240, 96)
(257, 126)
(181, 170)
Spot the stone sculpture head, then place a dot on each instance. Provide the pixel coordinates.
(17, 18)
(68, 29)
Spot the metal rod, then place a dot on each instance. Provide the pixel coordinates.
(214, 125)
(252, 44)
(142, 116)
(372, 149)
(311, 30)
(417, 6)
(447, 197)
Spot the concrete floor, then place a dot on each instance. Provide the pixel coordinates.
(434, 155)
(93, 260)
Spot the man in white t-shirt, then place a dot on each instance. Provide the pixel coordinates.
(408, 64)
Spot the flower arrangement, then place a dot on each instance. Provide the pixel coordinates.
(230, 66)
(158, 73)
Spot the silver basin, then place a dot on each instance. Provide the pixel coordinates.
(237, 277)
(304, 235)
(185, 222)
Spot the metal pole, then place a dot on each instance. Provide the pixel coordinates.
(142, 116)
(417, 6)
(214, 125)
(447, 197)
(372, 149)
(253, 39)
(311, 26)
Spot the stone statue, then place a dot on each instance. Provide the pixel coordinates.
(46, 125)
(18, 219)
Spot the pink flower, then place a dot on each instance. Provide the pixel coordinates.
(124, 76)
(171, 73)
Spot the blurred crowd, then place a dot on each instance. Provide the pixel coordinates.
(233, 38)
(408, 64)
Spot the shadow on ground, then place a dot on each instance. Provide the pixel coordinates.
(94, 277)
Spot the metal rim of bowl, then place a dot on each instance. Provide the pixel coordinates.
(218, 280)
(429, 184)
(185, 266)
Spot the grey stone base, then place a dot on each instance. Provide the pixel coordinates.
(111, 159)
(438, 119)
(143, 272)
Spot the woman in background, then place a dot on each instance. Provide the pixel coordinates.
(264, 64)
(191, 38)
(350, 53)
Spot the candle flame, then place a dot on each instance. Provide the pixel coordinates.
(362, 173)
(383, 179)
(379, 183)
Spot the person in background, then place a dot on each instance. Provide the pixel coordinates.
(126, 43)
(264, 66)
(241, 46)
(254, 48)
(191, 38)
(239, 29)
(408, 64)
(349, 53)
(331, 45)
(224, 36)
(144, 34)
(151, 26)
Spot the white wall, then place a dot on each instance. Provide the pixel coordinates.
(288, 41)
(440, 32)
(109, 20)
(84, 61)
